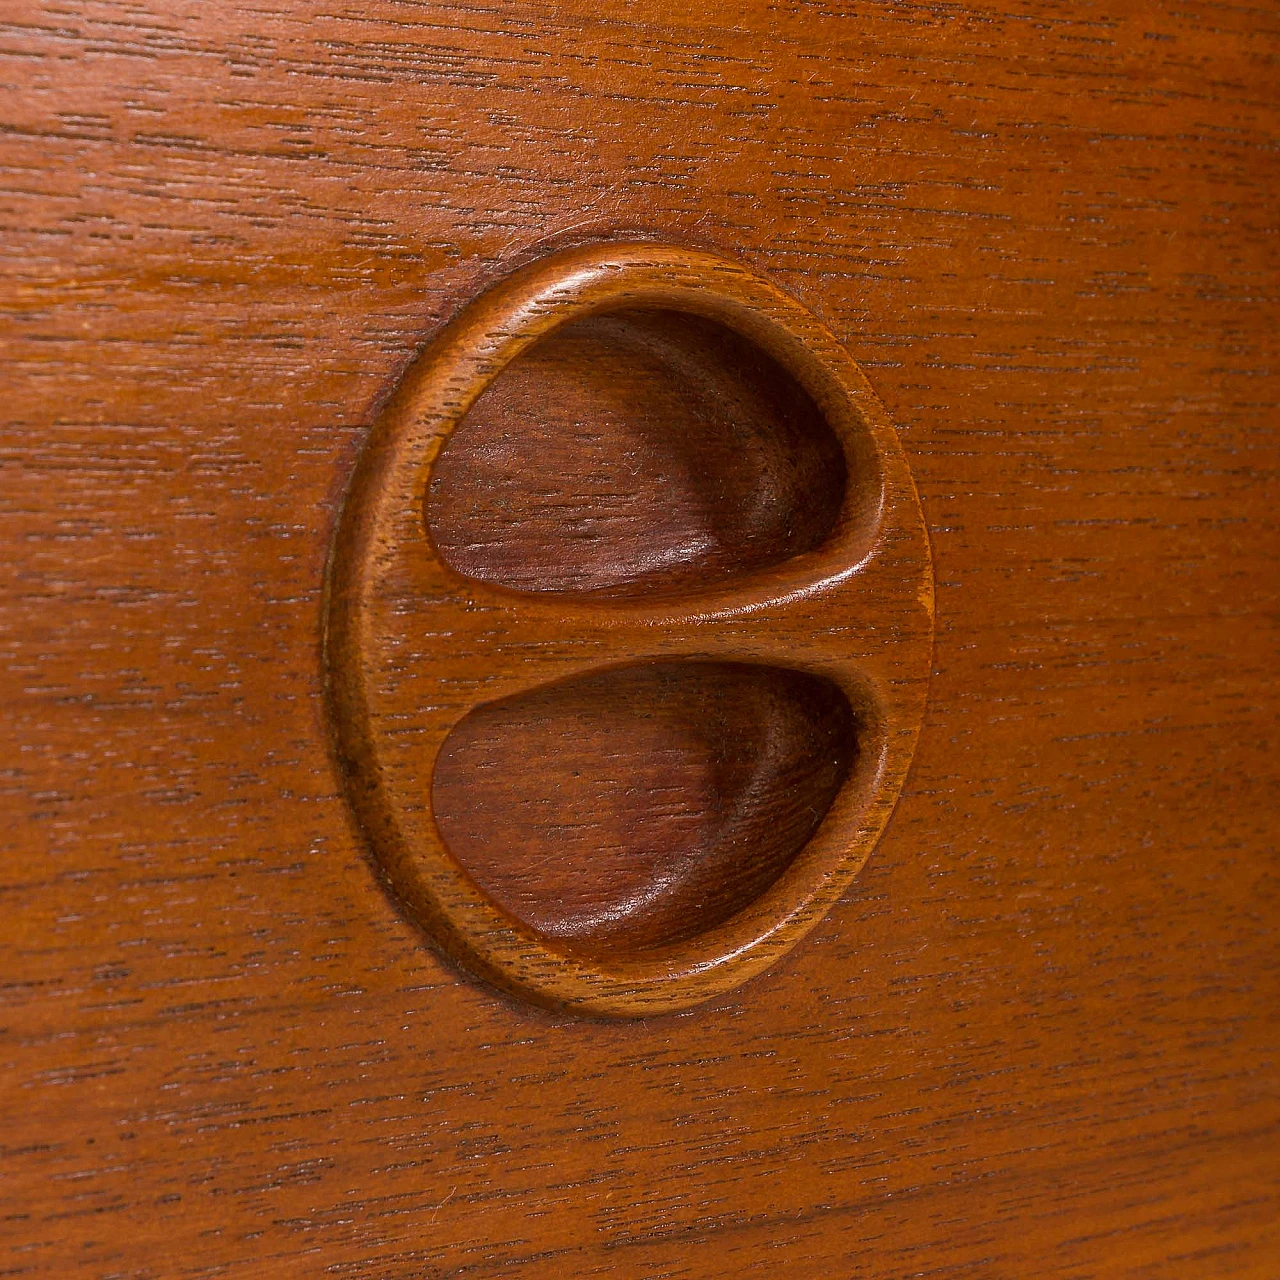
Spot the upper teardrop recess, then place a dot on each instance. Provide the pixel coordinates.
(635, 452)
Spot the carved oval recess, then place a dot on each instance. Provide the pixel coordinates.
(628, 629)
(635, 452)
(667, 796)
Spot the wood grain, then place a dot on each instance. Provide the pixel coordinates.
(412, 646)
(642, 805)
(633, 453)
(1037, 1037)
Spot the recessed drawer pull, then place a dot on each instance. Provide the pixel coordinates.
(628, 629)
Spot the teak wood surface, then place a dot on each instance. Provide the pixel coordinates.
(823, 623)
(1037, 1036)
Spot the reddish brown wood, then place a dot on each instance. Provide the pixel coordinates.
(642, 805)
(631, 453)
(1035, 1038)
(412, 646)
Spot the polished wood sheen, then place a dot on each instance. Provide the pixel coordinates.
(635, 452)
(417, 644)
(1036, 1036)
(666, 797)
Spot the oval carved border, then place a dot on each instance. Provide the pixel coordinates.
(411, 646)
